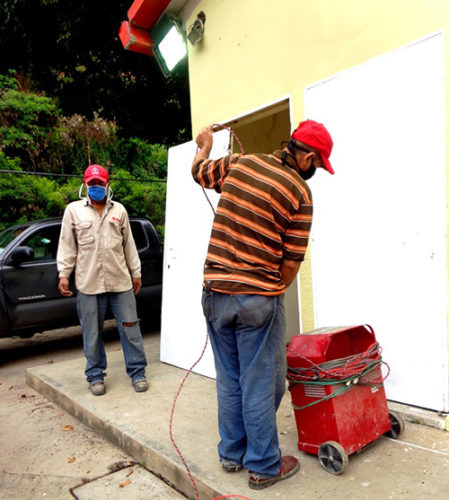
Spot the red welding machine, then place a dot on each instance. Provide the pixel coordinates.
(336, 385)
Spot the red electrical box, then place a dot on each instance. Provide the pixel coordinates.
(135, 39)
(337, 393)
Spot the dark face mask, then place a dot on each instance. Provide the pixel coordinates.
(284, 155)
(308, 174)
(305, 175)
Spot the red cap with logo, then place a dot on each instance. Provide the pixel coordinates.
(95, 172)
(315, 134)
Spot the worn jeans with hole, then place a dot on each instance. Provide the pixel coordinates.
(247, 334)
(91, 313)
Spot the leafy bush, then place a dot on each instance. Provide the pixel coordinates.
(26, 123)
(8, 81)
(140, 158)
(141, 198)
(81, 142)
(28, 197)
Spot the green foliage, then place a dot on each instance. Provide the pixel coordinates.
(70, 189)
(141, 198)
(7, 163)
(28, 197)
(8, 81)
(35, 137)
(141, 158)
(80, 142)
(26, 122)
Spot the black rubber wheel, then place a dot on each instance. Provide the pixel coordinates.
(333, 457)
(397, 426)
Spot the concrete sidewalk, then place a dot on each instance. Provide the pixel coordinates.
(415, 466)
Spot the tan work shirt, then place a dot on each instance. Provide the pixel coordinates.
(101, 248)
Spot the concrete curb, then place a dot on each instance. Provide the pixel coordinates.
(420, 416)
(142, 449)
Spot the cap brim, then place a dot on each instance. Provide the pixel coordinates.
(327, 165)
(92, 177)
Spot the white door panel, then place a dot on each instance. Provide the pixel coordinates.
(379, 252)
(188, 224)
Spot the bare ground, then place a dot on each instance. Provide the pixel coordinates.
(44, 451)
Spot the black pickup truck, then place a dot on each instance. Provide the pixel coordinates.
(29, 298)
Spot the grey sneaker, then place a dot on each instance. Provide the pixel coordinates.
(140, 385)
(97, 389)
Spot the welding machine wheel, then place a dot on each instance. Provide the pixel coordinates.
(333, 457)
(397, 426)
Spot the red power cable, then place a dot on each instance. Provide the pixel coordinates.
(195, 488)
(171, 420)
(224, 127)
(350, 366)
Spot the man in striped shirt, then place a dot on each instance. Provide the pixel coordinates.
(258, 241)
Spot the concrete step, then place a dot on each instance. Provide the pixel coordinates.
(415, 466)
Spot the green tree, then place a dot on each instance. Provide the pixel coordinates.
(142, 198)
(27, 197)
(26, 122)
(82, 142)
(140, 158)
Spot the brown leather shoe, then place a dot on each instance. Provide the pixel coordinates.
(289, 467)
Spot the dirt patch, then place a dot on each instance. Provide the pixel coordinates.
(45, 451)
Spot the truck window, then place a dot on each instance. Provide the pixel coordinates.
(44, 242)
(139, 235)
(9, 234)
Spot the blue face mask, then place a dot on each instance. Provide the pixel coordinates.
(96, 193)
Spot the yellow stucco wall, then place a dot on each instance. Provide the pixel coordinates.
(255, 52)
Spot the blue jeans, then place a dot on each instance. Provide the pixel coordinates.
(247, 334)
(91, 313)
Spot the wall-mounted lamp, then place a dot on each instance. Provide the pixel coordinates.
(169, 45)
(196, 30)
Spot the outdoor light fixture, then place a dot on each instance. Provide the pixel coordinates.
(169, 46)
(196, 30)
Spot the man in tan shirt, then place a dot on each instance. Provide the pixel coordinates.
(96, 240)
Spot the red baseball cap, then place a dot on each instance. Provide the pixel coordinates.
(95, 172)
(315, 134)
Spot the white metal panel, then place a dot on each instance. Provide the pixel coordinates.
(188, 223)
(379, 252)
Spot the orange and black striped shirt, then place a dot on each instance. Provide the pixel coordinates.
(263, 216)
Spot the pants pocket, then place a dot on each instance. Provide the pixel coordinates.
(207, 301)
(255, 310)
